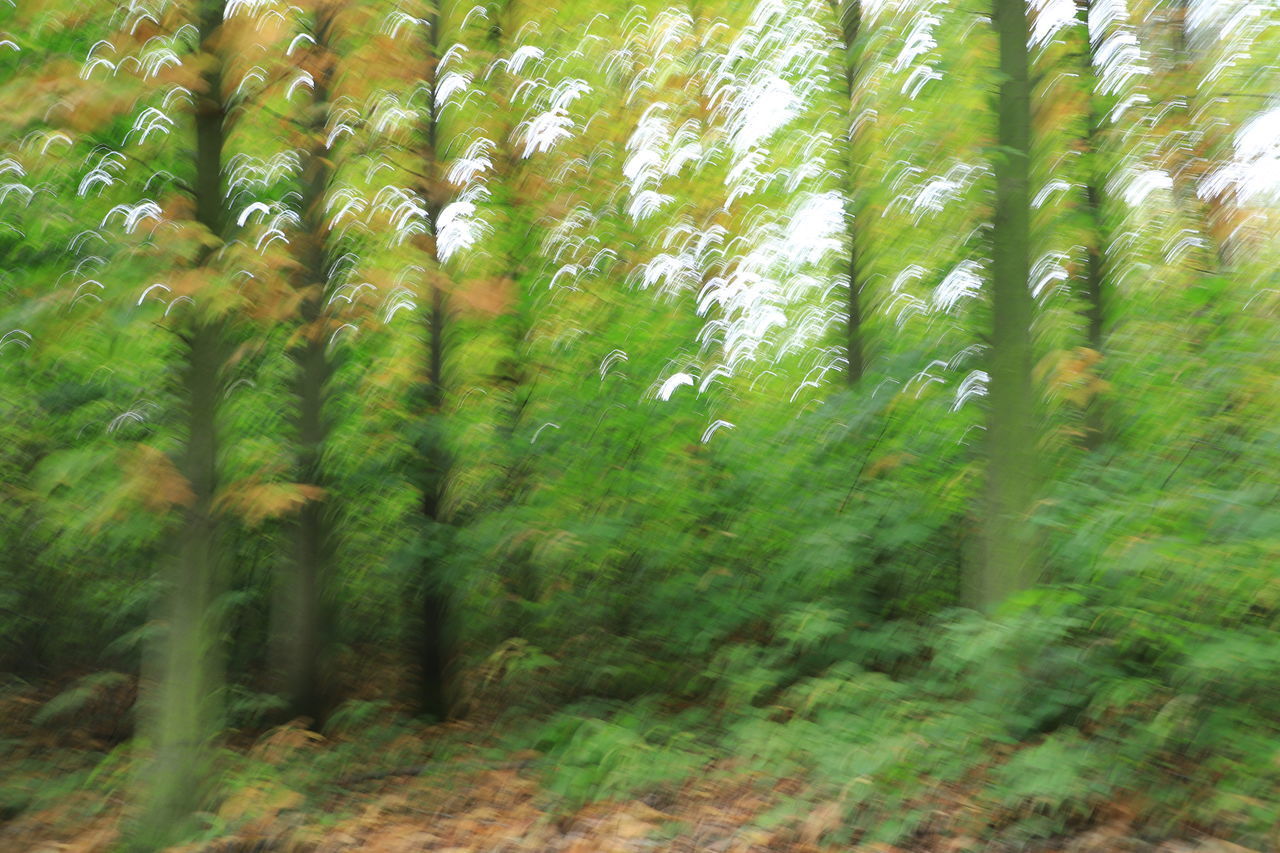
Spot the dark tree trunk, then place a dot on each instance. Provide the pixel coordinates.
(433, 456)
(301, 623)
(435, 462)
(1094, 291)
(850, 14)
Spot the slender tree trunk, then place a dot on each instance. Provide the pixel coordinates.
(519, 576)
(300, 608)
(433, 456)
(301, 603)
(1189, 156)
(1099, 239)
(850, 14)
(1008, 562)
(435, 462)
(1095, 416)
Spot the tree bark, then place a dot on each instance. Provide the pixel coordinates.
(1008, 563)
(850, 15)
(433, 456)
(1189, 159)
(185, 706)
(300, 610)
(1099, 240)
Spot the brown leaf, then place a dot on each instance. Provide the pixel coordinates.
(157, 482)
(489, 296)
(256, 502)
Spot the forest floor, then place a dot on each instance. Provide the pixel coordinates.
(387, 784)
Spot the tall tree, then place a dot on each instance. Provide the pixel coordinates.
(520, 237)
(299, 610)
(522, 233)
(433, 457)
(1098, 237)
(849, 13)
(1187, 137)
(186, 711)
(1007, 562)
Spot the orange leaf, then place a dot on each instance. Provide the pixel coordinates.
(256, 502)
(157, 482)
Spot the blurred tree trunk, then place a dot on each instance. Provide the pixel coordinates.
(185, 712)
(1099, 238)
(850, 14)
(1007, 561)
(433, 460)
(520, 580)
(1188, 153)
(300, 632)
(434, 464)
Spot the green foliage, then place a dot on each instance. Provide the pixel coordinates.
(355, 716)
(1058, 781)
(74, 699)
(609, 434)
(619, 755)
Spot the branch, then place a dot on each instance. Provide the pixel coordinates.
(155, 171)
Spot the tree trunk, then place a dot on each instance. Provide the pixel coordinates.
(1190, 157)
(850, 14)
(1008, 563)
(185, 706)
(186, 710)
(433, 456)
(434, 462)
(1099, 238)
(300, 629)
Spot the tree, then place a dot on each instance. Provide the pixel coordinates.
(185, 711)
(1186, 139)
(849, 13)
(433, 460)
(1098, 237)
(1008, 563)
(299, 610)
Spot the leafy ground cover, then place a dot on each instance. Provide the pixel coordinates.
(838, 762)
